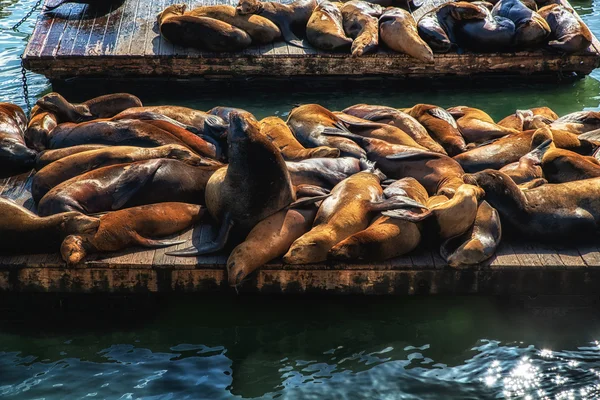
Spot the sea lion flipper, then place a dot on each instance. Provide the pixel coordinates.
(132, 180)
(215, 126)
(444, 115)
(154, 116)
(537, 154)
(591, 136)
(211, 247)
(413, 155)
(305, 190)
(353, 122)
(407, 215)
(341, 132)
(145, 242)
(305, 201)
(533, 184)
(396, 202)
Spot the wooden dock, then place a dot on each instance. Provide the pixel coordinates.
(517, 269)
(125, 43)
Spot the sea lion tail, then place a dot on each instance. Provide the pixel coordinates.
(211, 247)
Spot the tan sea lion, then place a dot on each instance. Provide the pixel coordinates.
(325, 30)
(398, 30)
(325, 172)
(128, 185)
(476, 245)
(531, 29)
(136, 226)
(578, 122)
(441, 126)
(476, 126)
(528, 167)
(80, 163)
(277, 131)
(360, 21)
(309, 121)
(99, 107)
(560, 165)
(15, 156)
(519, 118)
(39, 127)
(24, 232)
(570, 34)
(49, 156)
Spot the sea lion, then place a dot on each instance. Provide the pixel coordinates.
(200, 32)
(130, 227)
(127, 185)
(399, 119)
(441, 126)
(260, 29)
(277, 131)
(560, 165)
(385, 237)
(285, 16)
(24, 232)
(80, 163)
(255, 184)
(453, 15)
(433, 34)
(520, 117)
(93, 4)
(47, 157)
(15, 156)
(476, 126)
(325, 30)
(528, 167)
(578, 122)
(550, 212)
(99, 107)
(361, 24)
(531, 29)
(490, 34)
(309, 121)
(39, 127)
(324, 172)
(398, 30)
(269, 239)
(569, 33)
(476, 245)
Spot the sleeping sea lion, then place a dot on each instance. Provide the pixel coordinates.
(476, 126)
(570, 34)
(309, 121)
(531, 29)
(80, 163)
(476, 245)
(127, 185)
(399, 119)
(39, 127)
(520, 117)
(24, 232)
(361, 24)
(433, 34)
(99, 107)
(528, 167)
(398, 30)
(135, 226)
(487, 35)
(578, 122)
(325, 30)
(452, 15)
(47, 157)
(324, 172)
(200, 32)
(560, 165)
(15, 156)
(441, 126)
(277, 131)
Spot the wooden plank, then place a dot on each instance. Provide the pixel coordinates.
(590, 254)
(548, 255)
(129, 28)
(39, 35)
(84, 34)
(72, 31)
(96, 41)
(505, 257)
(570, 256)
(56, 33)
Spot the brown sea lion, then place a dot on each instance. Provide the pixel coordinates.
(561, 211)
(519, 118)
(24, 232)
(399, 119)
(528, 167)
(325, 30)
(99, 107)
(476, 126)
(80, 163)
(200, 32)
(560, 165)
(49, 156)
(277, 131)
(476, 245)
(578, 122)
(360, 21)
(127, 185)
(324, 172)
(531, 29)
(136, 226)
(269, 239)
(255, 184)
(386, 237)
(309, 121)
(285, 16)
(398, 30)
(109, 105)
(39, 127)
(570, 34)
(260, 29)
(451, 15)
(15, 156)
(433, 34)
(441, 126)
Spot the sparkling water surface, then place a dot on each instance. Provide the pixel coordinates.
(216, 347)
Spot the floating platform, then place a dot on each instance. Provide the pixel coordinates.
(517, 269)
(76, 42)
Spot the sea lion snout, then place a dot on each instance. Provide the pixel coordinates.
(469, 179)
(72, 250)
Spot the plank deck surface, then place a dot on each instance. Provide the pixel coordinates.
(124, 42)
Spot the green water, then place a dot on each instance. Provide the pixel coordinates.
(232, 346)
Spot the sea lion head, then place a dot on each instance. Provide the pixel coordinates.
(77, 223)
(66, 111)
(463, 11)
(249, 7)
(497, 185)
(171, 11)
(304, 252)
(73, 249)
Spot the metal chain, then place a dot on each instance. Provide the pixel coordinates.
(28, 15)
(25, 86)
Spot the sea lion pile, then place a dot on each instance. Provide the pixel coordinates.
(367, 183)
(360, 26)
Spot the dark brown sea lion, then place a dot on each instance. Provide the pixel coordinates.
(476, 126)
(528, 167)
(452, 15)
(109, 105)
(398, 30)
(24, 232)
(15, 156)
(491, 34)
(531, 29)
(309, 121)
(255, 184)
(99, 107)
(433, 34)
(569, 33)
(578, 122)
(80, 163)
(269, 239)
(325, 30)
(277, 131)
(62, 109)
(360, 21)
(441, 126)
(386, 237)
(100, 5)
(49, 156)
(260, 29)
(560, 165)
(127, 185)
(285, 16)
(519, 118)
(324, 172)
(476, 245)
(200, 32)
(562, 211)
(399, 119)
(39, 127)
(136, 226)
